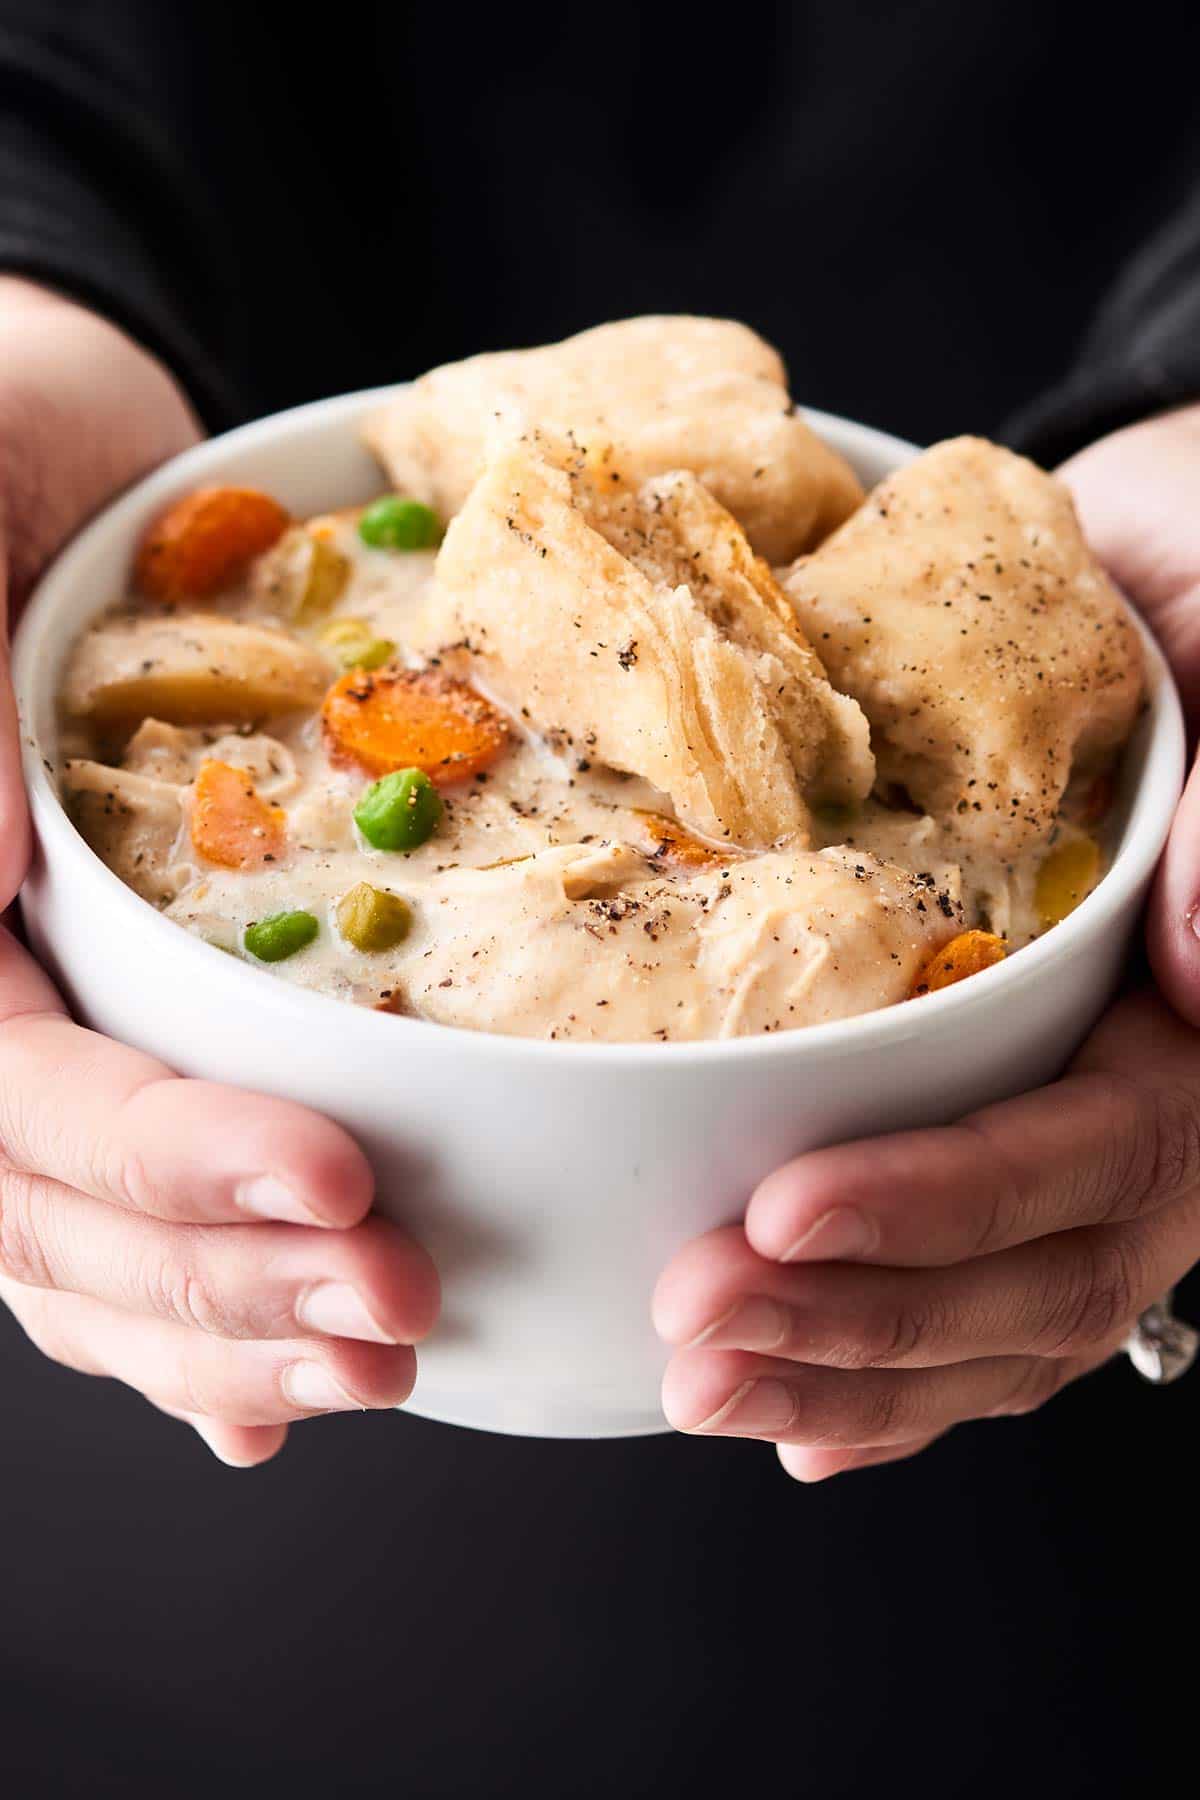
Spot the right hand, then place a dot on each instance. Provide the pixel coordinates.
(209, 1247)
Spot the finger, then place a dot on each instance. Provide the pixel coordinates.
(139, 1137)
(1063, 1296)
(14, 815)
(728, 1393)
(806, 1465)
(1091, 1149)
(1173, 921)
(238, 1281)
(238, 1446)
(182, 1371)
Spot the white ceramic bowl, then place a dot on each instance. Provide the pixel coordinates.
(550, 1181)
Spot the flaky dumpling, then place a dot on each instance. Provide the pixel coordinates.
(672, 392)
(962, 609)
(639, 625)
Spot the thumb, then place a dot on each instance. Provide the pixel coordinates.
(1136, 495)
(14, 814)
(1173, 922)
(83, 412)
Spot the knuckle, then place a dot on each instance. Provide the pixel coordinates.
(125, 1173)
(909, 1332)
(1097, 1302)
(1008, 1198)
(22, 1256)
(901, 1334)
(879, 1413)
(1156, 1149)
(181, 1295)
(1175, 1164)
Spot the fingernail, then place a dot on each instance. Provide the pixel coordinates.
(754, 1324)
(840, 1233)
(309, 1384)
(757, 1408)
(266, 1197)
(1193, 918)
(337, 1309)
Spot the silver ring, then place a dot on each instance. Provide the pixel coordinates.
(1160, 1346)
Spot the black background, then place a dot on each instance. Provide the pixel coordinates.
(922, 204)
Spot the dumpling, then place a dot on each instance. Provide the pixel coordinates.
(962, 609)
(189, 669)
(636, 621)
(705, 395)
(134, 823)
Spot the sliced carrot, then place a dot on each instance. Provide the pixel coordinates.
(232, 825)
(666, 840)
(205, 541)
(391, 718)
(967, 954)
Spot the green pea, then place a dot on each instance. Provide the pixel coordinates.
(372, 919)
(279, 936)
(364, 653)
(394, 523)
(399, 811)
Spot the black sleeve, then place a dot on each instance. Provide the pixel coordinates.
(95, 202)
(1141, 354)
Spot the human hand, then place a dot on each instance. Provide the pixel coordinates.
(211, 1248)
(882, 1291)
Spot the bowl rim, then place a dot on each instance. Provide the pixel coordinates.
(1145, 835)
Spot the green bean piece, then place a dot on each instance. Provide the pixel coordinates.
(279, 936)
(394, 523)
(399, 811)
(372, 919)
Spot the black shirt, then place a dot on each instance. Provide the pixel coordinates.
(947, 217)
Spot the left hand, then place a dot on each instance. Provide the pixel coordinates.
(883, 1291)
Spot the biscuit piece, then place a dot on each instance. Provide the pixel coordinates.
(963, 610)
(640, 626)
(673, 392)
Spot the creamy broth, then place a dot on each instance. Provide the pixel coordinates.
(559, 896)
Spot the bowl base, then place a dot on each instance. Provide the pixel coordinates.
(518, 1416)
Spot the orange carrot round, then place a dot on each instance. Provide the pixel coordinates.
(205, 541)
(391, 718)
(232, 825)
(967, 954)
(667, 841)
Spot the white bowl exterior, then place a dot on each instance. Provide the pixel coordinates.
(551, 1182)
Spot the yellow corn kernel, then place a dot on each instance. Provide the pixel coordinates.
(1066, 877)
(325, 575)
(346, 630)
